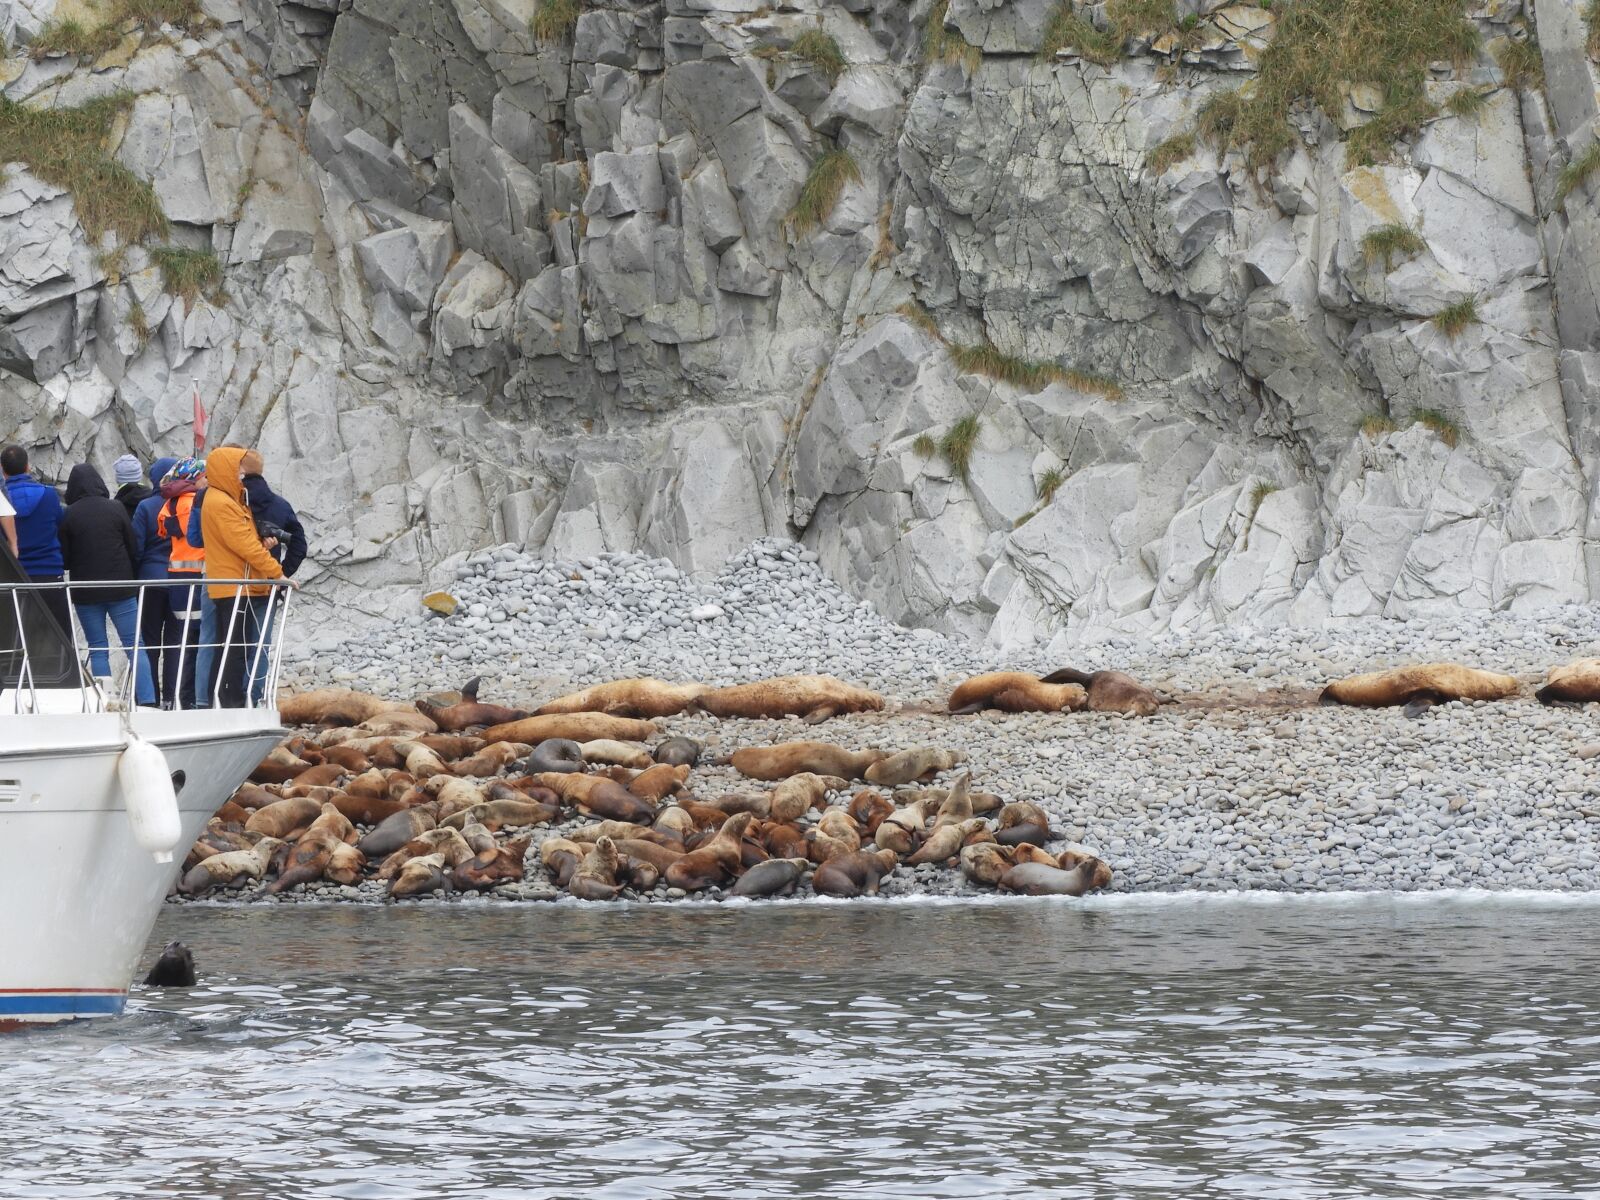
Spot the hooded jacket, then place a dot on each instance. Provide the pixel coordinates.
(131, 495)
(96, 538)
(154, 549)
(38, 513)
(228, 532)
(269, 508)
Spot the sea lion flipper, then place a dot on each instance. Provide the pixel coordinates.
(1420, 703)
(1066, 675)
(966, 710)
(820, 714)
(469, 689)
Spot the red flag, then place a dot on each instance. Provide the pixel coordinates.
(199, 422)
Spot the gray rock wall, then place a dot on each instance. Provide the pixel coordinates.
(481, 287)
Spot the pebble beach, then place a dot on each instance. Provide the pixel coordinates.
(1242, 782)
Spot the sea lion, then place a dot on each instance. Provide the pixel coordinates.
(1110, 691)
(453, 746)
(1099, 869)
(833, 835)
(555, 755)
(605, 750)
(175, 967)
(781, 841)
(491, 760)
(421, 876)
(332, 706)
(235, 866)
(352, 760)
(447, 843)
(498, 814)
(618, 830)
(797, 758)
(466, 714)
(715, 862)
(902, 829)
(371, 784)
(214, 840)
(855, 874)
(758, 803)
(395, 831)
(655, 784)
(598, 797)
(492, 866)
(775, 877)
(796, 795)
(1419, 687)
(596, 875)
(366, 810)
(403, 723)
(813, 697)
(279, 766)
(868, 809)
(561, 858)
(659, 856)
(675, 822)
(1022, 821)
(1037, 879)
(1576, 682)
(917, 763)
(946, 841)
(627, 698)
(1027, 852)
(1015, 691)
(253, 796)
(577, 727)
(677, 752)
(284, 819)
(957, 804)
(984, 863)
(231, 814)
(321, 851)
(423, 763)
(319, 775)
(640, 874)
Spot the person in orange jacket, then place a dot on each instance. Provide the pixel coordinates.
(234, 550)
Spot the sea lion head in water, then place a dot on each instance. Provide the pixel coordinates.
(678, 752)
(1015, 691)
(1110, 691)
(1418, 688)
(453, 718)
(175, 967)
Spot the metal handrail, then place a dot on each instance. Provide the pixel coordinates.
(261, 668)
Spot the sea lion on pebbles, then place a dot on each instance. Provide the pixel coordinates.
(677, 823)
(1110, 691)
(957, 804)
(917, 763)
(775, 877)
(715, 862)
(1419, 687)
(1017, 692)
(279, 766)
(348, 757)
(596, 875)
(659, 856)
(491, 760)
(491, 866)
(1576, 682)
(813, 697)
(235, 866)
(561, 858)
(794, 796)
(605, 750)
(796, 758)
(469, 713)
(1022, 821)
(984, 863)
(452, 746)
(447, 843)
(1037, 879)
(408, 723)
(1099, 869)
(627, 698)
(946, 841)
(498, 814)
(253, 796)
(333, 706)
(594, 796)
(832, 836)
(855, 874)
(555, 755)
(577, 727)
(902, 828)
(394, 832)
(655, 784)
(419, 877)
(423, 763)
(677, 752)
(321, 849)
(366, 810)
(285, 819)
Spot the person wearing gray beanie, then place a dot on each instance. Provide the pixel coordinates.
(131, 488)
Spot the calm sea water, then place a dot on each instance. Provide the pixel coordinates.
(1124, 1047)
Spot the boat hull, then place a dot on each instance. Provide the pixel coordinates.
(78, 895)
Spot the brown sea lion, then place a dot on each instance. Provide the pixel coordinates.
(868, 809)
(231, 814)
(1022, 821)
(561, 858)
(423, 763)
(320, 775)
(279, 766)
(1015, 691)
(715, 862)
(1110, 691)
(917, 763)
(322, 848)
(447, 843)
(498, 814)
(608, 750)
(366, 810)
(758, 803)
(677, 752)
(596, 876)
(902, 829)
(285, 819)
(775, 877)
(985, 862)
(814, 697)
(419, 877)
(1037, 879)
(574, 727)
(452, 746)
(797, 758)
(796, 795)
(253, 796)
(332, 706)
(627, 698)
(618, 830)
(659, 856)
(946, 841)
(640, 874)
(372, 784)
(468, 712)
(855, 874)
(217, 841)
(352, 760)
(404, 723)
(957, 804)
(1420, 687)
(233, 866)
(1576, 682)
(395, 831)
(678, 823)
(781, 841)
(655, 784)
(833, 835)
(598, 797)
(492, 866)
(1099, 869)
(491, 760)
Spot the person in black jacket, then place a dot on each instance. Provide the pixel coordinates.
(97, 545)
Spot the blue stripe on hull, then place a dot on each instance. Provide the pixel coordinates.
(61, 1005)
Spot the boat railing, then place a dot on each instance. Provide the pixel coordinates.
(44, 668)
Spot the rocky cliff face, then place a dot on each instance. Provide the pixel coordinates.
(563, 288)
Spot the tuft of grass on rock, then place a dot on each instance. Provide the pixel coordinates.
(1124, 19)
(1170, 153)
(1576, 173)
(912, 311)
(947, 45)
(1591, 21)
(554, 20)
(822, 189)
(1522, 64)
(139, 322)
(1376, 426)
(67, 147)
(72, 38)
(1029, 374)
(1467, 103)
(1390, 242)
(1260, 492)
(1446, 430)
(1453, 318)
(189, 274)
(958, 442)
(1049, 483)
(925, 446)
(822, 51)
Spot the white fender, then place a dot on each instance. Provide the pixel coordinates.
(152, 802)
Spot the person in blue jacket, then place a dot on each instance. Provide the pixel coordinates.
(205, 658)
(158, 627)
(39, 512)
(280, 528)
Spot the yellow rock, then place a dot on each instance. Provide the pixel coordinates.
(442, 603)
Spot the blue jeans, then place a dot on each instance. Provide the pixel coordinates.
(205, 657)
(124, 615)
(260, 660)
